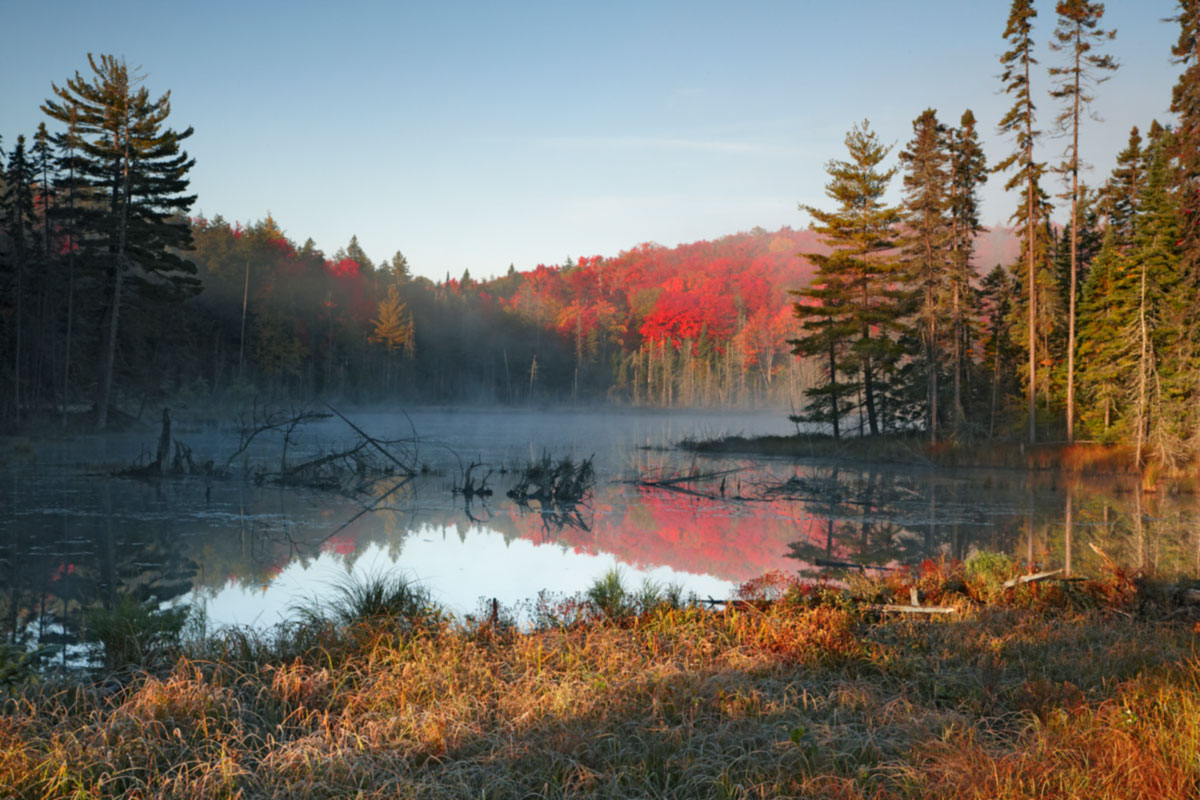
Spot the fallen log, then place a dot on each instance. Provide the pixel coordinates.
(1035, 577)
(915, 609)
(825, 562)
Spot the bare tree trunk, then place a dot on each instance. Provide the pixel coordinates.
(1030, 229)
(1074, 253)
(1143, 377)
(110, 354)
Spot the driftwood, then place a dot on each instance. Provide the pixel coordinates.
(349, 470)
(1034, 578)
(915, 609)
(404, 468)
(468, 488)
(680, 484)
(554, 483)
(825, 562)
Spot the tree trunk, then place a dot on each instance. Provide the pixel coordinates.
(1030, 229)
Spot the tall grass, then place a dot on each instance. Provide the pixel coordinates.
(797, 691)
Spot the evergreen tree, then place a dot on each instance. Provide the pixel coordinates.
(19, 217)
(1164, 377)
(73, 195)
(995, 297)
(400, 270)
(1121, 192)
(1018, 62)
(926, 254)
(136, 163)
(355, 252)
(860, 230)
(968, 171)
(1077, 34)
(1185, 103)
(826, 312)
(1105, 359)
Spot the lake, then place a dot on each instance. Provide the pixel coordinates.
(75, 537)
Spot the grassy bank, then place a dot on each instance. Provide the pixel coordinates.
(1087, 689)
(1079, 458)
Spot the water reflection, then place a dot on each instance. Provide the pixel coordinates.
(73, 541)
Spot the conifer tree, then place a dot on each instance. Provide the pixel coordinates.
(1121, 192)
(926, 253)
(73, 191)
(43, 160)
(1077, 35)
(1164, 378)
(136, 164)
(860, 230)
(1104, 311)
(1185, 103)
(19, 215)
(968, 171)
(1018, 62)
(995, 299)
(826, 314)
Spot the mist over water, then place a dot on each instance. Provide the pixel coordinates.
(75, 537)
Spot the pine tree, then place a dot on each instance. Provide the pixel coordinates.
(1018, 62)
(1104, 310)
(1185, 103)
(968, 171)
(19, 217)
(995, 296)
(926, 255)
(355, 252)
(860, 230)
(399, 268)
(828, 325)
(1077, 34)
(73, 196)
(1121, 191)
(138, 166)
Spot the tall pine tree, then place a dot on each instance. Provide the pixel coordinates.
(968, 171)
(926, 254)
(1077, 35)
(860, 230)
(136, 163)
(1018, 63)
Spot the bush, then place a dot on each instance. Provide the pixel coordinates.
(135, 634)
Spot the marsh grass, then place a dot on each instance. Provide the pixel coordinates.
(799, 690)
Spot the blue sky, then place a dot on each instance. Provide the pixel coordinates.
(475, 135)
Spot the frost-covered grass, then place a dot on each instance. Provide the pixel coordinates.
(1087, 690)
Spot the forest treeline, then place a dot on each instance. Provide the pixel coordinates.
(1091, 331)
(115, 296)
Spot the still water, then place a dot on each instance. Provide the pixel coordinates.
(73, 537)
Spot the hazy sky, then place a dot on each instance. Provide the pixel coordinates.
(474, 135)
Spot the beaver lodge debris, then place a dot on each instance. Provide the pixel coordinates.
(690, 484)
(554, 483)
(348, 470)
(468, 488)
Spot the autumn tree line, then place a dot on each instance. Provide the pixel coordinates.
(1091, 332)
(116, 298)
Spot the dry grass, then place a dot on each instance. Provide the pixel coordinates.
(1044, 691)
